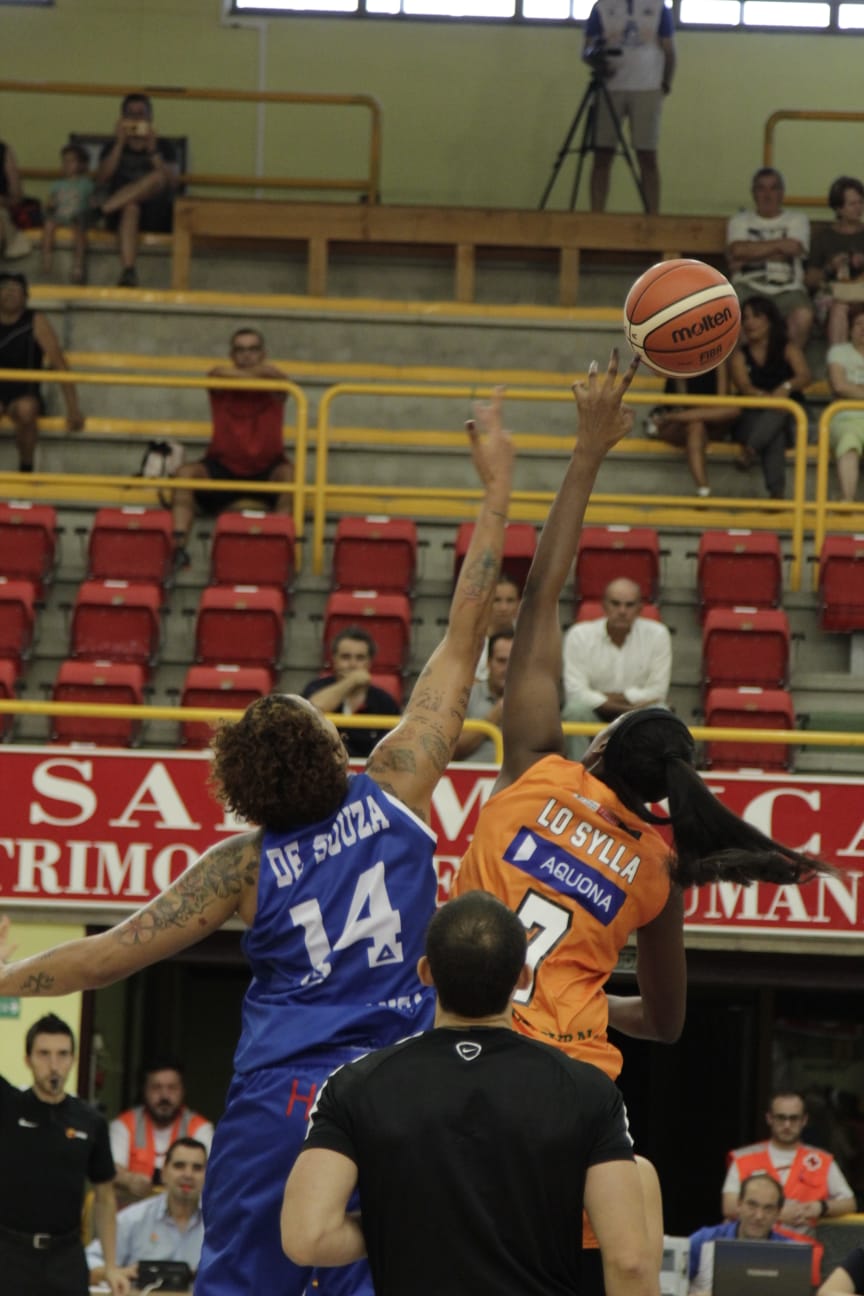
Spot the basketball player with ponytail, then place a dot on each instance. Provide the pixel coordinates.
(572, 847)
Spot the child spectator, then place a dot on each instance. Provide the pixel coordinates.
(69, 204)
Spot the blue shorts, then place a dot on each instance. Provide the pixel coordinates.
(256, 1143)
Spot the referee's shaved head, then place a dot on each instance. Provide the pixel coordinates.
(476, 951)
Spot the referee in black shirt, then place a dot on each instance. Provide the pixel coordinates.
(51, 1144)
(473, 1148)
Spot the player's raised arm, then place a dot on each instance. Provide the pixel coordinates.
(532, 718)
(201, 900)
(409, 761)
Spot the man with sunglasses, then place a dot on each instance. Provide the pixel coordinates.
(813, 1184)
(27, 341)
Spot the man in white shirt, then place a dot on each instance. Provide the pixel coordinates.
(765, 251)
(614, 665)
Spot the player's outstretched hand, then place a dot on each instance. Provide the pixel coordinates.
(603, 420)
(491, 444)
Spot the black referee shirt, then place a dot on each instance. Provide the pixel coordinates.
(47, 1153)
(472, 1148)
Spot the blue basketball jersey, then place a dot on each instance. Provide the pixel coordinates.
(342, 912)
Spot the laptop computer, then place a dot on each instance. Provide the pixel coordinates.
(743, 1268)
(163, 1276)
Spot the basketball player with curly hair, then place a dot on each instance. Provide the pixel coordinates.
(335, 885)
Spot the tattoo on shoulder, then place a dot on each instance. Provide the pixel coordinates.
(398, 759)
(225, 871)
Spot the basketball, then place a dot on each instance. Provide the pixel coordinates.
(682, 317)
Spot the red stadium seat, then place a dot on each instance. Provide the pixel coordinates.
(591, 610)
(28, 540)
(8, 676)
(610, 553)
(253, 546)
(386, 617)
(736, 567)
(98, 682)
(116, 621)
(520, 541)
(748, 646)
(391, 683)
(841, 584)
(379, 549)
(240, 625)
(131, 544)
(749, 708)
(17, 619)
(229, 688)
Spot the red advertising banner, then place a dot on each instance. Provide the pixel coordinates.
(84, 829)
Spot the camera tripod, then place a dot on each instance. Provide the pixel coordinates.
(595, 90)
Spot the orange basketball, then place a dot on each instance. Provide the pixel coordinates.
(682, 317)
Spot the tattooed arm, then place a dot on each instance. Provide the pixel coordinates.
(409, 761)
(221, 883)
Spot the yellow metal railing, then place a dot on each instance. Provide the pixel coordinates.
(702, 733)
(369, 185)
(844, 516)
(435, 501)
(809, 115)
(58, 483)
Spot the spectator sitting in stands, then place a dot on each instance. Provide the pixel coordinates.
(247, 444)
(14, 242)
(765, 250)
(26, 341)
(68, 203)
(619, 663)
(846, 376)
(692, 427)
(837, 255)
(505, 605)
(813, 1184)
(140, 171)
(141, 1136)
(350, 690)
(848, 1277)
(168, 1226)
(760, 1200)
(486, 701)
(766, 363)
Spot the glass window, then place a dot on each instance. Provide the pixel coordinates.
(713, 13)
(785, 13)
(851, 16)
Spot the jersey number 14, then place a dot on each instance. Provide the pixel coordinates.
(371, 917)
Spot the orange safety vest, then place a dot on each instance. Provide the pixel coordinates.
(138, 1123)
(807, 1178)
(817, 1248)
(582, 872)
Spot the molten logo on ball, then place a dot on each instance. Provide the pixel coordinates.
(674, 309)
(704, 325)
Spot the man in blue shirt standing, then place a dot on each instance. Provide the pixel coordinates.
(167, 1226)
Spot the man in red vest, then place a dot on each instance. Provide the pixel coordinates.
(813, 1184)
(141, 1136)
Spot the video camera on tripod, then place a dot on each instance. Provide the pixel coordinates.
(597, 56)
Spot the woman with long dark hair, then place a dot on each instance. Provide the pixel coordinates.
(766, 363)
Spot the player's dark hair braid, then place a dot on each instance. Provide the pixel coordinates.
(649, 757)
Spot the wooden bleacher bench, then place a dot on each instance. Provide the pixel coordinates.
(461, 229)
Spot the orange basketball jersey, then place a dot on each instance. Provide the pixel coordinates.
(582, 872)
